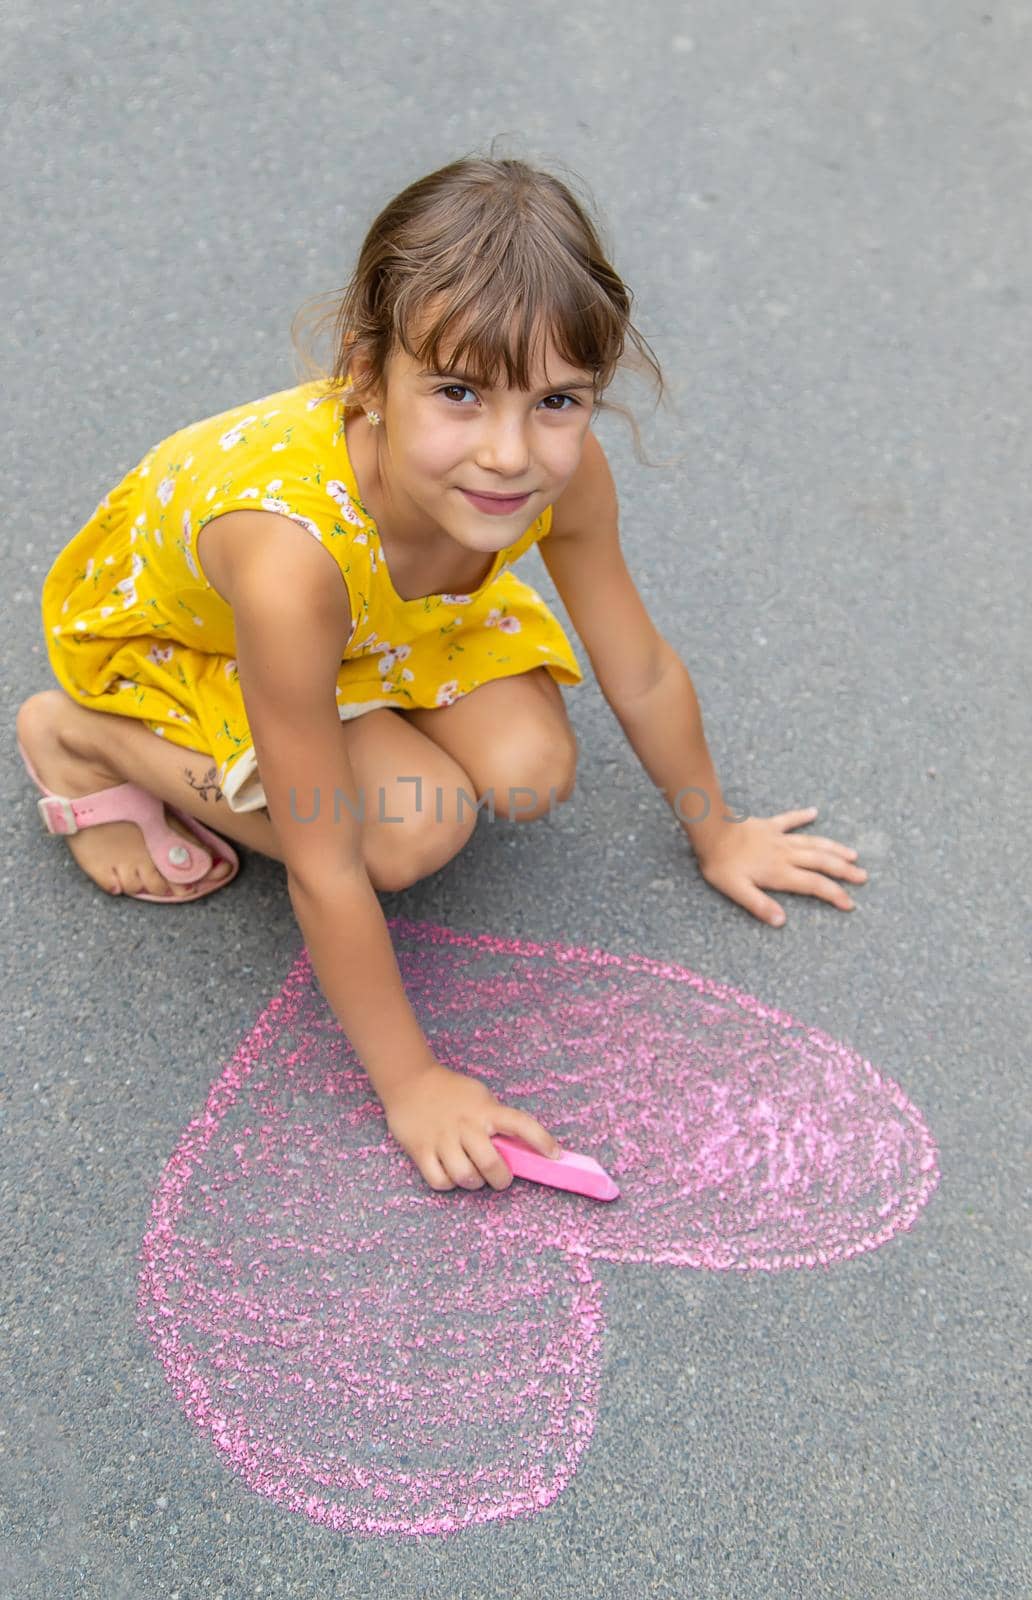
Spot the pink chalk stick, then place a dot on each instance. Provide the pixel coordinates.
(580, 1174)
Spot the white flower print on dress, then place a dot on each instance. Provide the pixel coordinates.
(494, 619)
(139, 530)
(448, 692)
(177, 715)
(307, 524)
(166, 489)
(272, 504)
(187, 552)
(249, 494)
(274, 483)
(457, 599)
(127, 586)
(338, 492)
(390, 656)
(371, 645)
(159, 653)
(234, 435)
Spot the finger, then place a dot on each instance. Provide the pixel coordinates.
(749, 895)
(835, 864)
(795, 819)
(434, 1173)
(460, 1166)
(508, 1120)
(488, 1160)
(761, 905)
(800, 882)
(832, 844)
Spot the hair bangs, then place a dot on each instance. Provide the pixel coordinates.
(498, 324)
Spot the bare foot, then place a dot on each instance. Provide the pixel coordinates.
(113, 854)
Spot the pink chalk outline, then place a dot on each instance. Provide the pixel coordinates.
(389, 1359)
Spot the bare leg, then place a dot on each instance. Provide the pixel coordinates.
(76, 751)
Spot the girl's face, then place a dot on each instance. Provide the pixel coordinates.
(444, 441)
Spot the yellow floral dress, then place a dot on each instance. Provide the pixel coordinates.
(132, 625)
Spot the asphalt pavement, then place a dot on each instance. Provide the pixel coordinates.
(824, 216)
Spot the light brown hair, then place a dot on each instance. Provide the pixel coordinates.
(487, 245)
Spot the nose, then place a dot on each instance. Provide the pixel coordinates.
(503, 447)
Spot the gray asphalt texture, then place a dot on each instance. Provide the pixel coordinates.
(824, 215)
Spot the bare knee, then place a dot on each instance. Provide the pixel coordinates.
(399, 853)
(48, 707)
(527, 784)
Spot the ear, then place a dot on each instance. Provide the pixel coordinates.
(365, 392)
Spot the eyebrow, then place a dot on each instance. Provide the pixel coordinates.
(467, 378)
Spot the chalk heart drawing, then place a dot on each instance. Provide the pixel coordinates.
(386, 1358)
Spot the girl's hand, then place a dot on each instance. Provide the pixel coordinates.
(760, 853)
(444, 1120)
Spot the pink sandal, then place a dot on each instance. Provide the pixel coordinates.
(127, 802)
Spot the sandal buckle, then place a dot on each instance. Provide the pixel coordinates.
(54, 809)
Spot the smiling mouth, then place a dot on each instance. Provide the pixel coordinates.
(481, 494)
(496, 505)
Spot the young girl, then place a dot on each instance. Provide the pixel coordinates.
(234, 608)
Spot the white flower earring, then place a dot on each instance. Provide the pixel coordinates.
(374, 418)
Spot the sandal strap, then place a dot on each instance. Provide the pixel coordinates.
(62, 815)
(174, 857)
(177, 860)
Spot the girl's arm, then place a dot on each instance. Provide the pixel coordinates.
(653, 698)
(293, 620)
